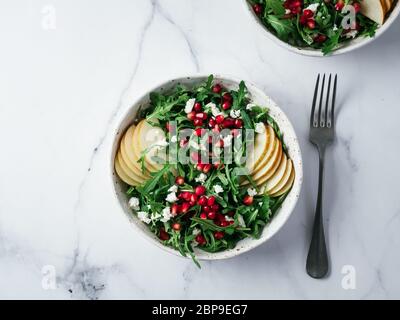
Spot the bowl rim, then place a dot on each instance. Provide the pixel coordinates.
(202, 255)
(309, 52)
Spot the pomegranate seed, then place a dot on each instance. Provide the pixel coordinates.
(211, 123)
(308, 13)
(193, 198)
(258, 9)
(248, 200)
(219, 119)
(198, 122)
(200, 239)
(224, 223)
(207, 167)
(211, 201)
(238, 123)
(197, 107)
(211, 215)
(175, 209)
(163, 235)
(215, 207)
(200, 190)
(231, 213)
(357, 7)
(311, 24)
(235, 132)
(217, 88)
(320, 38)
(179, 180)
(339, 6)
(186, 195)
(202, 201)
(227, 97)
(185, 207)
(220, 217)
(176, 226)
(168, 127)
(203, 215)
(206, 209)
(218, 235)
(226, 105)
(228, 122)
(191, 115)
(201, 115)
(200, 166)
(198, 132)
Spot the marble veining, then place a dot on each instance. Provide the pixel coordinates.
(70, 69)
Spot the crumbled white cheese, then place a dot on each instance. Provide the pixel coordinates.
(250, 106)
(134, 203)
(196, 231)
(201, 178)
(144, 216)
(235, 114)
(228, 140)
(171, 197)
(251, 192)
(351, 34)
(228, 218)
(174, 139)
(313, 7)
(287, 11)
(335, 27)
(260, 127)
(166, 213)
(218, 189)
(173, 188)
(189, 105)
(241, 221)
(214, 110)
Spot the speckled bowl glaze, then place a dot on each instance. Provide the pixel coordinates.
(256, 96)
(347, 47)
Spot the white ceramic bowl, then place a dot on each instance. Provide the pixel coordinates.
(347, 47)
(290, 139)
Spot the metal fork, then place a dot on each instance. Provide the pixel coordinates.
(321, 135)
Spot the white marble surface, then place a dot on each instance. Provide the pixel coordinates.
(63, 88)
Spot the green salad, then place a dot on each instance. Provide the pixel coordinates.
(207, 203)
(318, 24)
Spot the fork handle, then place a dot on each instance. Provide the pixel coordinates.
(317, 260)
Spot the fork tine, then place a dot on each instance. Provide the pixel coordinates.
(320, 101)
(314, 102)
(325, 120)
(334, 101)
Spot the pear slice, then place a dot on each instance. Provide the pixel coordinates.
(145, 140)
(269, 168)
(270, 151)
(278, 174)
(128, 154)
(129, 172)
(122, 174)
(261, 143)
(283, 181)
(374, 10)
(286, 188)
